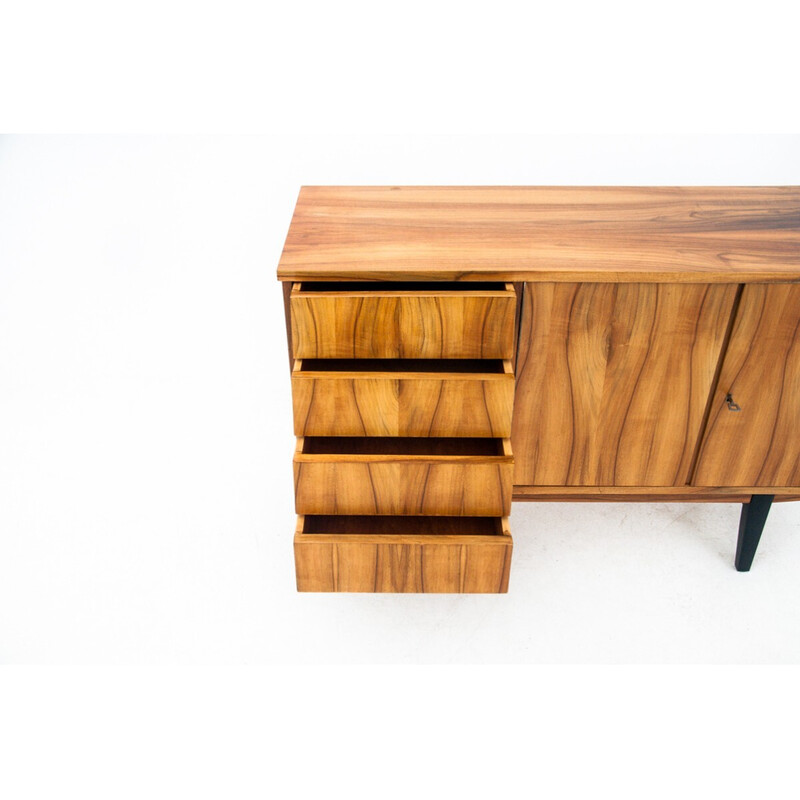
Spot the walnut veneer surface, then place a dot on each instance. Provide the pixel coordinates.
(647, 349)
(570, 233)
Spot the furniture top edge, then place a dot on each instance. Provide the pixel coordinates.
(721, 188)
(609, 275)
(544, 233)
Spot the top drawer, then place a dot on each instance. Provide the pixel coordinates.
(403, 320)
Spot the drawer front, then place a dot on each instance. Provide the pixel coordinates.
(402, 404)
(331, 322)
(398, 562)
(473, 485)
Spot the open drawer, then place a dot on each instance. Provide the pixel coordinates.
(402, 397)
(402, 554)
(403, 320)
(385, 475)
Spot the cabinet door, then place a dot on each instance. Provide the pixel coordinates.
(613, 381)
(759, 445)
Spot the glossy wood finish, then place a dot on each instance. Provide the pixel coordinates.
(451, 477)
(369, 401)
(287, 293)
(607, 234)
(383, 561)
(631, 494)
(613, 381)
(634, 312)
(377, 321)
(519, 291)
(759, 445)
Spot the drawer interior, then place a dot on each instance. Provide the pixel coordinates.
(407, 446)
(399, 365)
(389, 525)
(404, 287)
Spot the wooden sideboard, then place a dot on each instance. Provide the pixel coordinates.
(452, 348)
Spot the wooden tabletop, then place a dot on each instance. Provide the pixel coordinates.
(551, 233)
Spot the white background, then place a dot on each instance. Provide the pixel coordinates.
(145, 424)
(427, 66)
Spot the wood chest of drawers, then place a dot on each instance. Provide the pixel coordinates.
(452, 347)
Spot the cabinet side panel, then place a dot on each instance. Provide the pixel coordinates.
(287, 313)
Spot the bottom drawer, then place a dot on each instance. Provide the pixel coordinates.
(402, 554)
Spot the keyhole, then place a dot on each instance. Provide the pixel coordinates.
(732, 404)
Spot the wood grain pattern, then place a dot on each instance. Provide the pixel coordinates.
(613, 381)
(635, 498)
(519, 291)
(629, 494)
(432, 484)
(633, 313)
(609, 234)
(396, 403)
(287, 314)
(387, 323)
(424, 563)
(760, 445)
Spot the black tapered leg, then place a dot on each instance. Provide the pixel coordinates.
(754, 515)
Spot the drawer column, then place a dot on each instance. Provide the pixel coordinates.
(402, 398)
